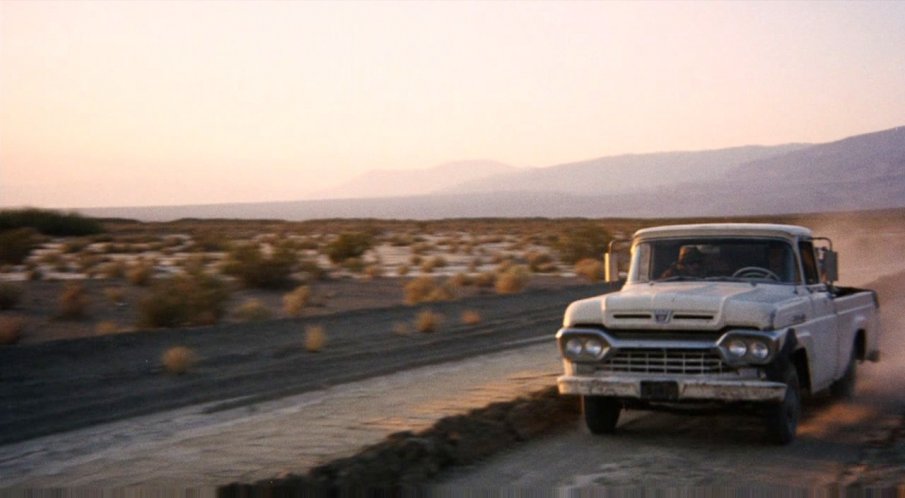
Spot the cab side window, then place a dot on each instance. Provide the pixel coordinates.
(811, 274)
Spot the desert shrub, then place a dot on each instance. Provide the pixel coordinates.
(591, 269)
(471, 317)
(348, 245)
(426, 289)
(140, 273)
(427, 321)
(461, 280)
(255, 269)
(584, 241)
(17, 244)
(512, 280)
(253, 310)
(11, 330)
(49, 222)
(403, 270)
(73, 302)
(315, 338)
(540, 262)
(431, 264)
(178, 360)
(190, 299)
(294, 302)
(10, 295)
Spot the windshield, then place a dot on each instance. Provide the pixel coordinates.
(727, 259)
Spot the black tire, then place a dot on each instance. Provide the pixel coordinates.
(600, 413)
(782, 418)
(844, 388)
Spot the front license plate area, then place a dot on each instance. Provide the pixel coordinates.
(659, 390)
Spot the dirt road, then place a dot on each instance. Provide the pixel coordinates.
(839, 444)
(64, 385)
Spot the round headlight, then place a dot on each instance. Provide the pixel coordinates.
(573, 347)
(758, 350)
(737, 348)
(593, 347)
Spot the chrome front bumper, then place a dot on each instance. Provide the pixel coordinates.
(628, 386)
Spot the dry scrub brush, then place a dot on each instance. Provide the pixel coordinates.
(255, 269)
(315, 338)
(590, 269)
(470, 317)
(427, 321)
(192, 299)
(73, 302)
(512, 280)
(178, 360)
(425, 290)
(294, 302)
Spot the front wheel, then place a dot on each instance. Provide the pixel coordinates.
(782, 418)
(601, 413)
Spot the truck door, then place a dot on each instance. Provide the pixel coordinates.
(822, 326)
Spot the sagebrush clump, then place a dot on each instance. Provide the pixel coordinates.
(315, 338)
(74, 302)
(590, 269)
(512, 280)
(255, 269)
(427, 321)
(348, 246)
(190, 299)
(178, 360)
(426, 289)
(294, 302)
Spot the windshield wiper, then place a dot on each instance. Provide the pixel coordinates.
(678, 278)
(726, 278)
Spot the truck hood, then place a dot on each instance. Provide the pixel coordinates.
(688, 305)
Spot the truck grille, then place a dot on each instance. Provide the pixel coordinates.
(665, 361)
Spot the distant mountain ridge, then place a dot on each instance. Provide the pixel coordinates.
(624, 173)
(401, 183)
(861, 172)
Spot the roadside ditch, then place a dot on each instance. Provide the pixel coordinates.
(410, 459)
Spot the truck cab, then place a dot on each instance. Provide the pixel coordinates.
(740, 314)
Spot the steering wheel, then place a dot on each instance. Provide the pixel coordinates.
(756, 272)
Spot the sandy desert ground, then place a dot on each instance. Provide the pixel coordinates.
(65, 384)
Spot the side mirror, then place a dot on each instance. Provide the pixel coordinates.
(829, 265)
(611, 261)
(611, 265)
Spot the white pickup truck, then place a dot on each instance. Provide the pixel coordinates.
(740, 313)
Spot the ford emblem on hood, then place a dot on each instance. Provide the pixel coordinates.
(662, 316)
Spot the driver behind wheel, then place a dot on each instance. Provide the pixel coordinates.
(690, 263)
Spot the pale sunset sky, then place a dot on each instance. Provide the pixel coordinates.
(130, 103)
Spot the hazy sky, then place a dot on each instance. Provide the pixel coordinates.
(177, 102)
